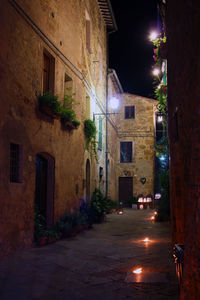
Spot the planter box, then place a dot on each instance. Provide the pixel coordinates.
(42, 241)
(134, 206)
(47, 110)
(68, 125)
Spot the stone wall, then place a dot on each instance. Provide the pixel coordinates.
(27, 29)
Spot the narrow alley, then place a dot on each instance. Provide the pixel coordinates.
(97, 264)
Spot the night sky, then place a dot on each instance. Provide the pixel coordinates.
(130, 51)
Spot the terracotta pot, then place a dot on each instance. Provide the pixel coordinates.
(51, 240)
(42, 241)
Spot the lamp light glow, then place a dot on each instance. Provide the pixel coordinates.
(153, 36)
(146, 240)
(156, 72)
(162, 157)
(160, 119)
(137, 271)
(114, 103)
(153, 218)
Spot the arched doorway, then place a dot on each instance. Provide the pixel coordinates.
(44, 188)
(88, 180)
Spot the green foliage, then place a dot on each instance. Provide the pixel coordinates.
(76, 123)
(160, 95)
(90, 131)
(40, 227)
(132, 200)
(163, 207)
(50, 100)
(64, 109)
(161, 147)
(100, 205)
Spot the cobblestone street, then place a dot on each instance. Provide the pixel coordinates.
(97, 264)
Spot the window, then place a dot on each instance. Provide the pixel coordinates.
(88, 29)
(126, 152)
(15, 163)
(129, 112)
(100, 134)
(48, 72)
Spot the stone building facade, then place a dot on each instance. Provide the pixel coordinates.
(48, 46)
(131, 137)
(182, 28)
(135, 147)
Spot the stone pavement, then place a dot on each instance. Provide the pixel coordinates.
(97, 264)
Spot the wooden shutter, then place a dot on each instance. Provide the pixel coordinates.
(46, 73)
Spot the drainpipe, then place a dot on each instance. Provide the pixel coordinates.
(107, 67)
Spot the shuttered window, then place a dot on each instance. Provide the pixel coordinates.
(48, 72)
(129, 112)
(100, 134)
(125, 152)
(88, 46)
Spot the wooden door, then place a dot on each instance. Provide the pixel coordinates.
(125, 190)
(44, 188)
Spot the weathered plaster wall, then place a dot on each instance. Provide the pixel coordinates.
(63, 23)
(182, 23)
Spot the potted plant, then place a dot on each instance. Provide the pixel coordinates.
(42, 238)
(68, 116)
(49, 105)
(133, 202)
(90, 131)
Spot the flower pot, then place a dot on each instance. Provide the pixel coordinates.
(134, 206)
(42, 241)
(51, 240)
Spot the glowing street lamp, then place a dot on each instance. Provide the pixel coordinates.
(153, 36)
(156, 72)
(160, 117)
(114, 103)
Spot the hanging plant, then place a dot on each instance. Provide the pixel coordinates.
(90, 131)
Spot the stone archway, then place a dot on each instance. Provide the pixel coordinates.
(44, 187)
(87, 180)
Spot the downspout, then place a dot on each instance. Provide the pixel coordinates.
(107, 69)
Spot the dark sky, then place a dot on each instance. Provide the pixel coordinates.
(131, 51)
